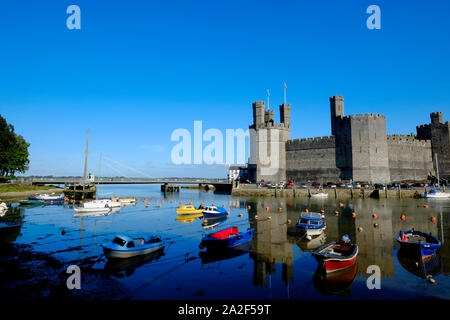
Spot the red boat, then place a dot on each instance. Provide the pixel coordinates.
(337, 256)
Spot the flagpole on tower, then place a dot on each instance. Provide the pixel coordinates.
(268, 95)
(285, 93)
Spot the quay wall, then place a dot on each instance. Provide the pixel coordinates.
(332, 193)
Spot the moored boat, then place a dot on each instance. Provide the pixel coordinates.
(9, 231)
(436, 194)
(102, 203)
(337, 256)
(418, 242)
(319, 195)
(127, 200)
(214, 212)
(80, 211)
(226, 238)
(47, 197)
(31, 202)
(311, 223)
(3, 208)
(125, 247)
(189, 209)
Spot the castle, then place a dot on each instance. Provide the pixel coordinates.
(359, 149)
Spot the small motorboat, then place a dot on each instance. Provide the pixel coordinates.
(102, 203)
(81, 211)
(31, 202)
(418, 242)
(3, 209)
(337, 256)
(436, 194)
(319, 195)
(127, 200)
(226, 238)
(214, 212)
(48, 197)
(125, 247)
(189, 209)
(311, 223)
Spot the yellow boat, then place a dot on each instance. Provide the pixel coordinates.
(190, 209)
(188, 218)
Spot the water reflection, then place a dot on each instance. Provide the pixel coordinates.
(122, 268)
(230, 253)
(335, 283)
(415, 265)
(10, 224)
(212, 223)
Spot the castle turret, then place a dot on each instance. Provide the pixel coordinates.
(285, 115)
(337, 110)
(436, 117)
(258, 113)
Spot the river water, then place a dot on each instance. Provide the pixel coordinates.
(277, 264)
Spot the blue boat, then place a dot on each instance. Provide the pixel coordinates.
(214, 212)
(226, 238)
(125, 247)
(419, 242)
(311, 223)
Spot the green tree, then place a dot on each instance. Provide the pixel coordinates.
(13, 150)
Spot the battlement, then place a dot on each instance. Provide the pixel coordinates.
(423, 126)
(309, 143)
(407, 139)
(366, 116)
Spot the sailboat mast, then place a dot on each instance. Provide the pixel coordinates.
(86, 155)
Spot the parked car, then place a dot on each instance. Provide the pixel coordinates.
(366, 186)
(357, 186)
(390, 186)
(316, 185)
(405, 186)
(303, 186)
(349, 186)
(341, 185)
(289, 185)
(379, 186)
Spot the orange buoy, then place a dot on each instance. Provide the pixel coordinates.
(306, 210)
(341, 204)
(223, 205)
(289, 221)
(249, 207)
(374, 216)
(279, 209)
(360, 229)
(236, 206)
(240, 215)
(256, 217)
(336, 213)
(269, 218)
(375, 225)
(433, 219)
(403, 217)
(425, 206)
(353, 214)
(181, 202)
(228, 213)
(63, 232)
(322, 211)
(159, 206)
(267, 208)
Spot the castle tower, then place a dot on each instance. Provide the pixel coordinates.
(337, 110)
(285, 115)
(436, 118)
(259, 110)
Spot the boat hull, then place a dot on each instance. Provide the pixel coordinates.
(124, 254)
(235, 240)
(333, 263)
(424, 248)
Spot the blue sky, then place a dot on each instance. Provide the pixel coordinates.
(138, 70)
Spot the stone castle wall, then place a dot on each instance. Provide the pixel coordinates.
(311, 159)
(409, 158)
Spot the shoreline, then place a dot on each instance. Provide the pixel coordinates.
(18, 194)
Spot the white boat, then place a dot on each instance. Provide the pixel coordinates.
(125, 247)
(436, 194)
(47, 197)
(319, 195)
(128, 200)
(102, 203)
(3, 209)
(80, 211)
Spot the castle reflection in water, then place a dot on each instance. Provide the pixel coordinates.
(276, 235)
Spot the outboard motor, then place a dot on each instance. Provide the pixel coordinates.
(345, 238)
